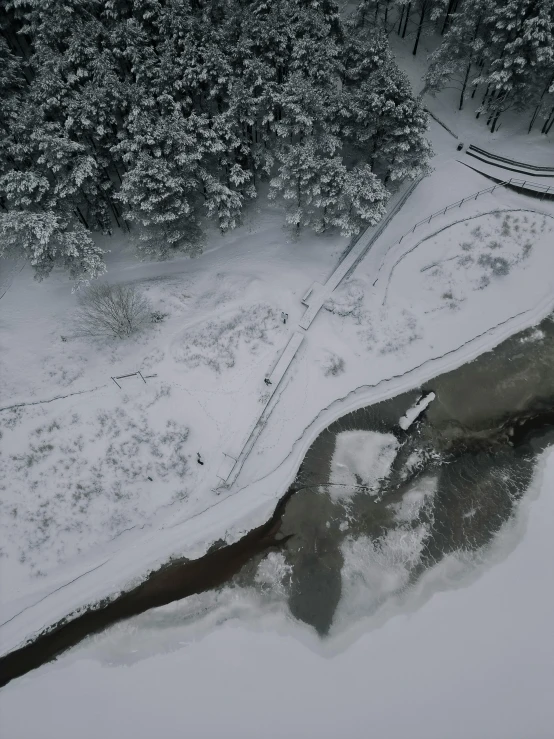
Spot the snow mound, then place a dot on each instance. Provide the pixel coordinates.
(415, 411)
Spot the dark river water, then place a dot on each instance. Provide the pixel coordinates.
(374, 505)
(380, 505)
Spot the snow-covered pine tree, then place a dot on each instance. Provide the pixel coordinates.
(461, 49)
(50, 239)
(519, 49)
(298, 182)
(385, 15)
(349, 200)
(168, 112)
(505, 48)
(380, 119)
(160, 192)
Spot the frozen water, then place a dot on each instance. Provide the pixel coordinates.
(360, 458)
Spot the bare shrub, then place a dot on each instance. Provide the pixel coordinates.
(333, 366)
(112, 310)
(499, 266)
(348, 301)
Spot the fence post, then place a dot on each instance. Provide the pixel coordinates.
(116, 382)
(461, 202)
(141, 377)
(444, 211)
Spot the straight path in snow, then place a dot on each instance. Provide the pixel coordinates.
(233, 460)
(314, 299)
(318, 294)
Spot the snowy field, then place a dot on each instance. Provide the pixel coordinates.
(101, 439)
(77, 496)
(469, 654)
(100, 484)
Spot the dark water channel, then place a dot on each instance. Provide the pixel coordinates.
(455, 478)
(406, 499)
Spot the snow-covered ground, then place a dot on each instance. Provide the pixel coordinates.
(70, 510)
(80, 516)
(468, 654)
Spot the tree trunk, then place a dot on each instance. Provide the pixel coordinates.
(469, 63)
(401, 19)
(420, 26)
(464, 85)
(480, 65)
(408, 7)
(534, 117)
(447, 16)
(114, 165)
(483, 101)
(81, 216)
(495, 121)
(535, 114)
(114, 210)
(548, 123)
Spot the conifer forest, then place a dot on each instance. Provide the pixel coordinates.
(157, 117)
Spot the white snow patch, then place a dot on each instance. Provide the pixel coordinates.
(415, 411)
(421, 330)
(360, 458)
(274, 572)
(374, 570)
(535, 335)
(419, 495)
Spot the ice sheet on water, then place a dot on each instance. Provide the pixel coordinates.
(413, 501)
(360, 458)
(376, 569)
(415, 411)
(274, 572)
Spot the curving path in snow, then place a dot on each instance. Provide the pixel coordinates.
(516, 175)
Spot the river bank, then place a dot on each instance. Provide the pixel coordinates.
(452, 483)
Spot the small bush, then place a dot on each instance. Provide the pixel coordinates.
(112, 310)
(333, 366)
(499, 266)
